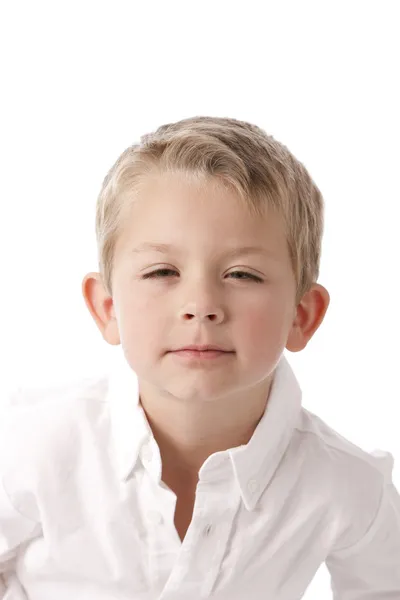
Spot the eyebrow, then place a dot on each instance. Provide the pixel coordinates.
(165, 248)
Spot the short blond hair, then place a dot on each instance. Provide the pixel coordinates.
(261, 170)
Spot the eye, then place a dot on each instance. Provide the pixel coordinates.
(157, 274)
(161, 273)
(247, 276)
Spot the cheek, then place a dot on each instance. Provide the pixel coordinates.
(141, 321)
(256, 328)
(263, 325)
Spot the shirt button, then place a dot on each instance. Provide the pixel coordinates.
(154, 517)
(207, 530)
(252, 486)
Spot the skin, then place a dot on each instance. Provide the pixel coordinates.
(201, 407)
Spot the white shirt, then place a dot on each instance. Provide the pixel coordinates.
(84, 514)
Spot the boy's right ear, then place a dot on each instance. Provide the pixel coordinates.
(101, 307)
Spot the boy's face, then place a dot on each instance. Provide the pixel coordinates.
(198, 300)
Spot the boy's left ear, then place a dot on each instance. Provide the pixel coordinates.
(310, 314)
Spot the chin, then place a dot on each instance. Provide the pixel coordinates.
(197, 393)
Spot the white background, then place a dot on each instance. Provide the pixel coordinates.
(81, 81)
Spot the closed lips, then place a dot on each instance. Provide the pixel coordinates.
(202, 349)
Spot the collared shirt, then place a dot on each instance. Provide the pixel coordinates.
(84, 513)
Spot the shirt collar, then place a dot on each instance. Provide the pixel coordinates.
(254, 464)
(130, 428)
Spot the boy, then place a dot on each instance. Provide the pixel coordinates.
(193, 471)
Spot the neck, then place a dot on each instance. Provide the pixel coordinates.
(187, 433)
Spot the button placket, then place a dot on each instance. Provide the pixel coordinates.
(214, 531)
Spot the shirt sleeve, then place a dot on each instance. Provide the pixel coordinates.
(14, 530)
(17, 522)
(370, 568)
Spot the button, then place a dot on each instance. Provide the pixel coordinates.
(252, 486)
(154, 517)
(200, 511)
(207, 530)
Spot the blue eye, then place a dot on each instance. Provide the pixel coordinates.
(160, 273)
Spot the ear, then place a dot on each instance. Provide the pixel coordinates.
(309, 316)
(101, 307)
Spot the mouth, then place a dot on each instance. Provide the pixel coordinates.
(201, 348)
(188, 353)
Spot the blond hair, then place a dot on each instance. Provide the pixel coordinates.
(261, 170)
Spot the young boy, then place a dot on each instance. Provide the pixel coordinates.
(192, 470)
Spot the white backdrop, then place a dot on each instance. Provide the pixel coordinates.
(81, 81)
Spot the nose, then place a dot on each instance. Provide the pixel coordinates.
(201, 313)
(203, 300)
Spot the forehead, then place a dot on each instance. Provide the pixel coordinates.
(172, 213)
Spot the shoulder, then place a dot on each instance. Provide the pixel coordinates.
(38, 422)
(341, 451)
(354, 477)
(27, 398)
